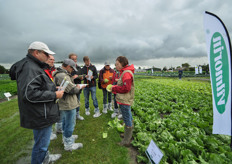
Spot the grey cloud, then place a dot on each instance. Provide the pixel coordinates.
(140, 30)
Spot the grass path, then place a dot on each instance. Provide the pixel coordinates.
(16, 142)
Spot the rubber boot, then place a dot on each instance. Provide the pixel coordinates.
(73, 136)
(119, 114)
(127, 136)
(69, 144)
(122, 134)
(78, 116)
(110, 107)
(53, 136)
(113, 115)
(97, 112)
(51, 158)
(104, 108)
(87, 111)
(58, 127)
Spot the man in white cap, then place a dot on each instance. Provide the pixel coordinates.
(37, 97)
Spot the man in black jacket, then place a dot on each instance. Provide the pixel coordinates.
(77, 80)
(37, 99)
(90, 79)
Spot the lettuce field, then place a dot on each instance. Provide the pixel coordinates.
(7, 85)
(178, 116)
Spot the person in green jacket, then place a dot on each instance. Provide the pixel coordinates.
(68, 103)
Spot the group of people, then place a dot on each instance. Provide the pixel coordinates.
(49, 95)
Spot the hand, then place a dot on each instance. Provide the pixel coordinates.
(106, 80)
(59, 94)
(75, 76)
(81, 87)
(116, 80)
(91, 77)
(78, 86)
(86, 76)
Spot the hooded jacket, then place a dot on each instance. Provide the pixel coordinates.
(124, 89)
(36, 93)
(69, 100)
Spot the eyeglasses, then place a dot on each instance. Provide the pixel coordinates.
(45, 53)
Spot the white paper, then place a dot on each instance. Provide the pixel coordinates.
(90, 73)
(61, 85)
(153, 153)
(82, 85)
(64, 86)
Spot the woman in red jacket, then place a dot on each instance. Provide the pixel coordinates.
(124, 91)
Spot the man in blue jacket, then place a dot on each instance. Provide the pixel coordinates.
(37, 99)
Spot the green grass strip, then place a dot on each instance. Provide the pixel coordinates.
(16, 142)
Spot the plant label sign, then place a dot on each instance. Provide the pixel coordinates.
(196, 70)
(153, 153)
(7, 95)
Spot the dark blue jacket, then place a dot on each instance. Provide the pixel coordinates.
(36, 93)
(85, 71)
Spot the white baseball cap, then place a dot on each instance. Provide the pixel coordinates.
(41, 46)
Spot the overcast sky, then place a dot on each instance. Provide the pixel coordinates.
(148, 32)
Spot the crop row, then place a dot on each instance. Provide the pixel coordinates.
(178, 116)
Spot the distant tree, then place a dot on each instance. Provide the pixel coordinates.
(191, 68)
(2, 69)
(205, 67)
(165, 68)
(186, 65)
(139, 67)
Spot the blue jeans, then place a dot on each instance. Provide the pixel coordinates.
(69, 122)
(78, 108)
(93, 95)
(42, 141)
(126, 114)
(105, 94)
